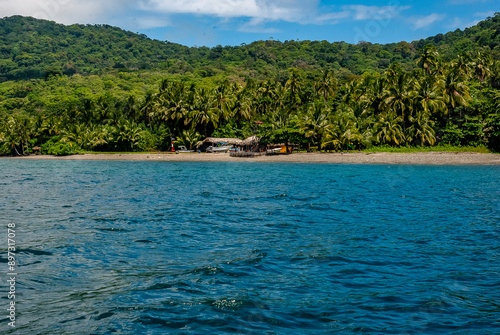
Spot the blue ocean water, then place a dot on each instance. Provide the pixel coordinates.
(251, 248)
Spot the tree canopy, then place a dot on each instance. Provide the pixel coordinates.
(32, 48)
(97, 87)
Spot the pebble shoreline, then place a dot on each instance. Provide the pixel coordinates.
(422, 158)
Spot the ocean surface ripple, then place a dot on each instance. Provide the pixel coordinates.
(246, 248)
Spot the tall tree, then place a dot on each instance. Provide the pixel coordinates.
(399, 97)
(429, 59)
(456, 92)
(326, 86)
(315, 122)
(421, 130)
(388, 131)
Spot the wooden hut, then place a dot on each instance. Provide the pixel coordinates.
(250, 144)
(214, 141)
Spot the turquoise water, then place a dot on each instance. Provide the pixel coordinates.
(244, 248)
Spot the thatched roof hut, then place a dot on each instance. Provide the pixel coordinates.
(249, 143)
(252, 140)
(214, 140)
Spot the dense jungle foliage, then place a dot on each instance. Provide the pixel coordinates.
(71, 88)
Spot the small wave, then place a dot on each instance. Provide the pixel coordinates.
(166, 286)
(104, 315)
(228, 304)
(277, 196)
(72, 320)
(35, 252)
(144, 241)
(118, 230)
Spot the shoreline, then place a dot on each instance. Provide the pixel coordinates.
(421, 158)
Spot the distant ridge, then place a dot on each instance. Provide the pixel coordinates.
(32, 48)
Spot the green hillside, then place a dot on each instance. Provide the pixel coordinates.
(31, 48)
(65, 89)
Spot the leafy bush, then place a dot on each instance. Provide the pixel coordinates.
(493, 132)
(55, 147)
(438, 148)
(5, 149)
(146, 141)
(452, 134)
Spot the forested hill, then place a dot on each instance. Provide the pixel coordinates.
(32, 48)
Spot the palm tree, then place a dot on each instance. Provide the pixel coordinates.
(148, 109)
(421, 129)
(98, 137)
(282, 116)
(372, 96)
(456, 91)
(87, 111)
(462, 64)
(89, 137)
(399, 97)
(18, 133)
(190, 138)
(429, 58)
(204, 112)
(388, 131)
(103, 110)
(332, 139)
(326, 86)
(172, 105)
(242, 108)
(131, 111)
(294, 85)
(222, 100)
(128, 134)
(343, 131)
(11, 137)
(265, 96)
(429, 95)
(314, 123)
(482, 65)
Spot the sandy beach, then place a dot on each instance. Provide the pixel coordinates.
(424, 158)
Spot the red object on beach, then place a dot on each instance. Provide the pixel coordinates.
(172, 147)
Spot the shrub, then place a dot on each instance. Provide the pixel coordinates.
(54, 146)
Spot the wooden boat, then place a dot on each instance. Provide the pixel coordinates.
(183, 149)
(221, 147)
(274, 150)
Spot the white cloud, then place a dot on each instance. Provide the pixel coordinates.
(257, 26)
(155, 13)
(299, 11)
(462, 2)
(100, 11)
(332, 18)
(362, 12)
(223, 8)
(425, 21)
(287, 10)
(65, 11)
(484, 15)
(459, 23)
(149, 22)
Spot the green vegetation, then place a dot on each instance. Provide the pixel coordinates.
(437, 148)
(69, 89)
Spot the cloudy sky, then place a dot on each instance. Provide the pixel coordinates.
(233, 22)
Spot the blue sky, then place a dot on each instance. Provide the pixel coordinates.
(234, 22)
